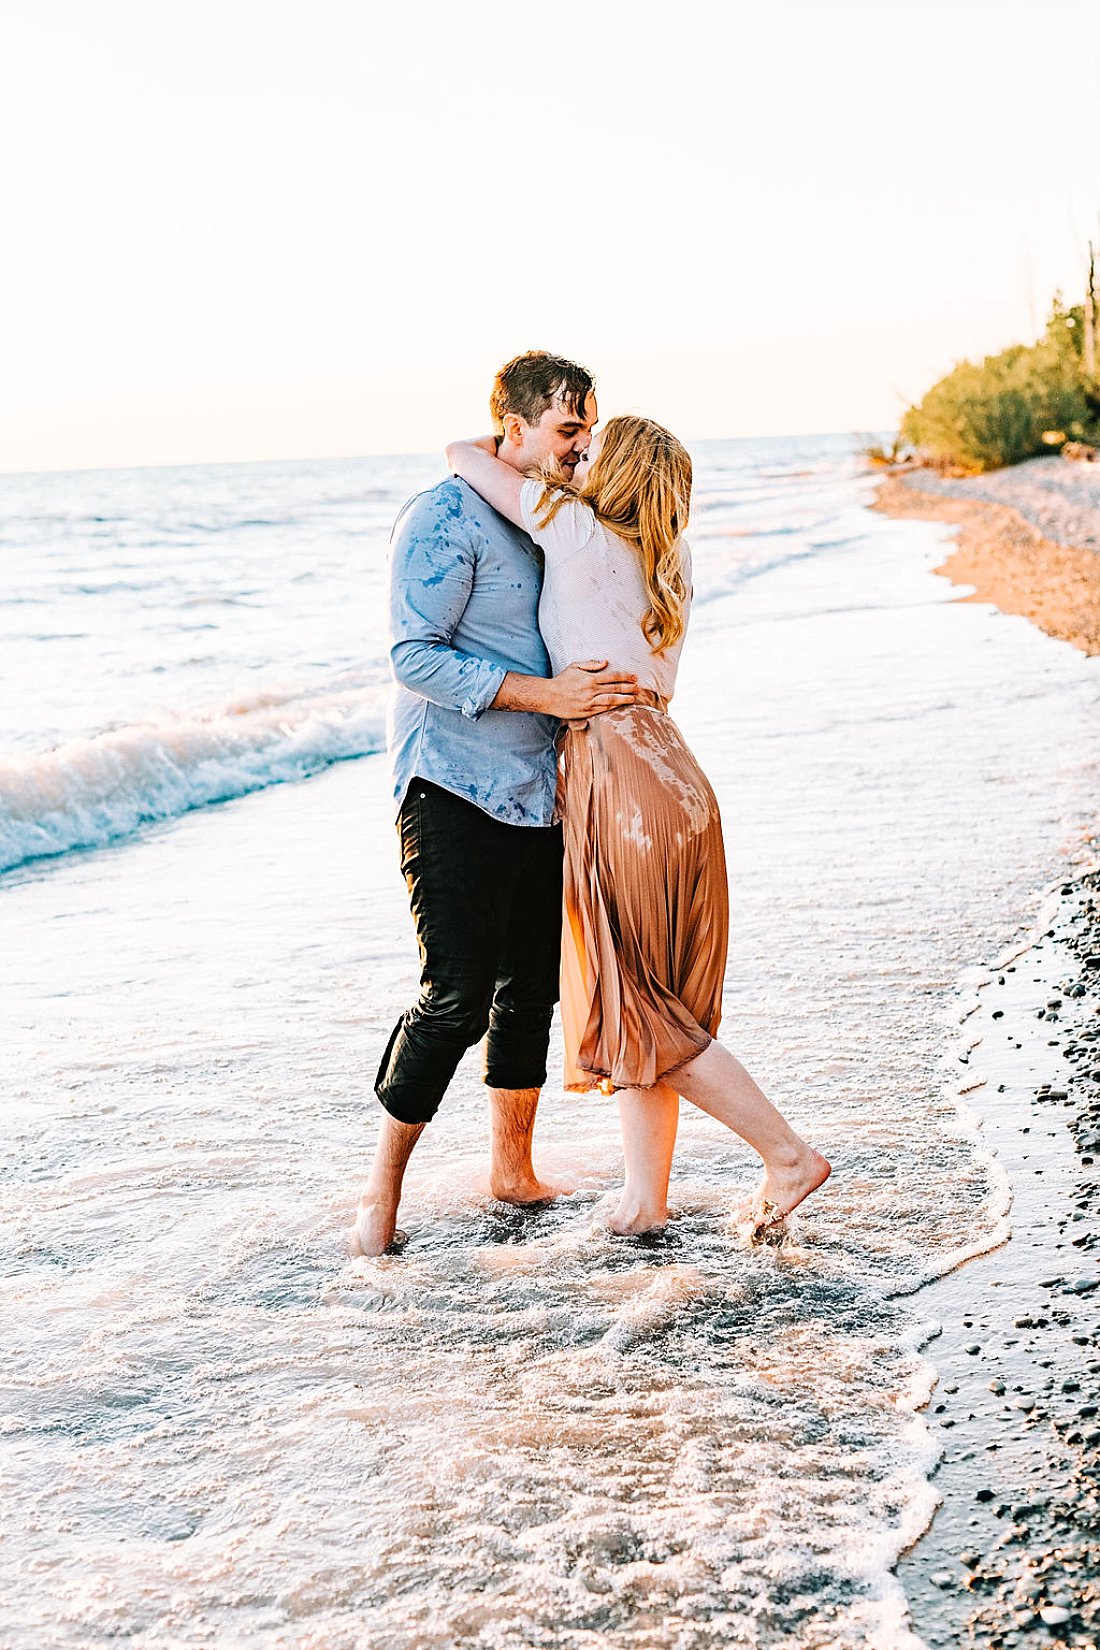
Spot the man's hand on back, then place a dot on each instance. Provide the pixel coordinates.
(580, 690)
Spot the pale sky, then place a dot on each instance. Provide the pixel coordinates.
(239, 229)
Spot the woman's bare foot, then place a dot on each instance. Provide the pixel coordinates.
(786, 1185)
(375, 1230)
(633, 1219)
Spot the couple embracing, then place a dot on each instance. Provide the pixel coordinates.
(552, 820)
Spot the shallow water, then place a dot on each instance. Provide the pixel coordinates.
(216, 1428)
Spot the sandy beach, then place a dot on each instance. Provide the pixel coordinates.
(1013, 1554)
(1029, 538)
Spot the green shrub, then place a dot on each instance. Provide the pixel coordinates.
(997, 411)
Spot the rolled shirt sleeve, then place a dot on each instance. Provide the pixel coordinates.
(432, 573)
(465, 585)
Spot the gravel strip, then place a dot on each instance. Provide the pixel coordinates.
(1059, 497)
(1013, 1556)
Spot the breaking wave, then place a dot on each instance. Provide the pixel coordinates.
(93, 791)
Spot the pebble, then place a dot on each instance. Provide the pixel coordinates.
(1054, 1615)
(973, 1349)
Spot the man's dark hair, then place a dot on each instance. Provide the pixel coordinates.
(530, 383)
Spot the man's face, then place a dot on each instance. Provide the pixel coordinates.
(559, 434)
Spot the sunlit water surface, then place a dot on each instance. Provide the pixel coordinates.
(217, 1429)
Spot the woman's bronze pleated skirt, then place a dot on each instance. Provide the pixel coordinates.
(646, 901)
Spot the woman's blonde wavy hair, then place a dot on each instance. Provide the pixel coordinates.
(640, 487)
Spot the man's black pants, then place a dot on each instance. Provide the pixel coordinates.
(486, 902)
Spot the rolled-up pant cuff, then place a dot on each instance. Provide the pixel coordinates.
(414, 1096)
(514, 1055)
(410, 1109)
(513, 1076)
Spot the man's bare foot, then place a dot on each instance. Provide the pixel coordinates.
(785, 1186)
(634, 1219)
(524, 1192)
(375, 1230)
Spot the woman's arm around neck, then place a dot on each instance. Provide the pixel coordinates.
(497, 483)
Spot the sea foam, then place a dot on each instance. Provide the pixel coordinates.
(88, 792)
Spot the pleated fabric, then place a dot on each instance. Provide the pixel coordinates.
(646, 901)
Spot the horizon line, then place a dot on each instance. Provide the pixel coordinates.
(351, 458)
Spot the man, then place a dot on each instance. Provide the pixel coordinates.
(474, 717)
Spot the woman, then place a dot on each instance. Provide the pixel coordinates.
(646, 902)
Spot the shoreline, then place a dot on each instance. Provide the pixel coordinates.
(1015, 1543)
(1006, 552)
(1012, 1555)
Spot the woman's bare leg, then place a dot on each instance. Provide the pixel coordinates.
(649, 1118)
(718, 1083)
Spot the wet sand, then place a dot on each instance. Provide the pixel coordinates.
(1028, 541)
(1015, 1546)
(1013, 1554)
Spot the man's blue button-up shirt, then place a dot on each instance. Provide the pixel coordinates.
(464, 598)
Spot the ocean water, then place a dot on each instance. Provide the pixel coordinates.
(215, 1427)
